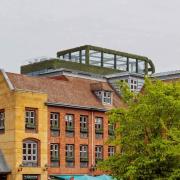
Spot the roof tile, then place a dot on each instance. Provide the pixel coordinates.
(67, 90)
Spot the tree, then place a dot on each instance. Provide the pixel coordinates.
(148, 133)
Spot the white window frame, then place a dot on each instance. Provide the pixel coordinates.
(54, 150)
(83, 121)
(30, 116)
(83, 151)
(69, 118)
(99, 152)
(111, 127)
(98, 123)
(111, 151)
(31, 151)
(133, 84)
(107, 97)
(2, 119)
(54, 119)
(70, 150)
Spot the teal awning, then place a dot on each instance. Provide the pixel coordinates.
(65, 177)
(105, 177)
(83, 177)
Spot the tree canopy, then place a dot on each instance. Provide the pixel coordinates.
(147, 133)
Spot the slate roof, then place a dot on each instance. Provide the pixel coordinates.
(4, 169)
(68, 89)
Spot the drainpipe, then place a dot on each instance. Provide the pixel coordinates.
(92, 136)
(92, 145)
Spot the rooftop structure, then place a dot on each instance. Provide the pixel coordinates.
(94, 60)
(102, 57)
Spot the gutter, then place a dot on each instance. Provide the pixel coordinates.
(11, 87)
(75, 106)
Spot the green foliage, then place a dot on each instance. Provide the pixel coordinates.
(149, 133)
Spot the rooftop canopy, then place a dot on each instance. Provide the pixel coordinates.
(102, 57)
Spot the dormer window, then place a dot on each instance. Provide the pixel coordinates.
(105, 96)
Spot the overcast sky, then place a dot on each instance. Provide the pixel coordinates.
(34, 28)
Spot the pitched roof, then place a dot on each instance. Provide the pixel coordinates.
(67, 90)
(3, 165)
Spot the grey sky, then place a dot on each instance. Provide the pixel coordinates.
(33, 28)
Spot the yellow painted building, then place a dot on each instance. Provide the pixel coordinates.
(13, 104)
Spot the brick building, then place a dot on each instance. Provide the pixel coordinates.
(53, 118)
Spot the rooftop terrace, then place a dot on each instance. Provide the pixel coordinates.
(94, 60)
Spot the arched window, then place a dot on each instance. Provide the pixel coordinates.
(30, 153)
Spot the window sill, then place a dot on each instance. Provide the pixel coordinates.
(55, 160)
(30, 126)
(26, 166)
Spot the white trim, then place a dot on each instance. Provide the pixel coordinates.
(11, 87)
(84, 77)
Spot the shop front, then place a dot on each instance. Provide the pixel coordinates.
(31, 177)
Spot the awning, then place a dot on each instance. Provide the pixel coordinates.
(65, 177)
(82, 177)
(4, 168)
(105, 177)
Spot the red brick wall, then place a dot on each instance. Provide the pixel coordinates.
(76, 140)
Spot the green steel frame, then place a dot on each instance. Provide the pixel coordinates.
(84, 55)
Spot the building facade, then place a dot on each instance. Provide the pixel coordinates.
(15, 139)
(52, 126)
(53, 119)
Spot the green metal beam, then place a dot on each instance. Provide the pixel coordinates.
(137, 66)
(87, 55)
(102, 58)
(115, 62)
(127, 64)
(80, 56)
